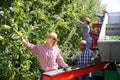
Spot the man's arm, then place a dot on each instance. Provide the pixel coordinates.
(80, 23)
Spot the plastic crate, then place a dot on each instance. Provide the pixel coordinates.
(111, 75)
(96, 25)
(94, 36)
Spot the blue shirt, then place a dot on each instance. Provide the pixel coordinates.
(85, 57)
(86, 30)
(101, 18)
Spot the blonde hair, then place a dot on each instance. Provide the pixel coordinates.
(55, 42)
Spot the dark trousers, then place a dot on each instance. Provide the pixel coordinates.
(41, 75)
(84, 77)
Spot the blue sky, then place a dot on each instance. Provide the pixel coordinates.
(112, 5)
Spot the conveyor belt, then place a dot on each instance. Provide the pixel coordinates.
(76, 71)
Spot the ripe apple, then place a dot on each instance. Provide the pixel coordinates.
(1, 38)
(5, 27)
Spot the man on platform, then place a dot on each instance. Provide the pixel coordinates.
(85, 58)
(86, 30)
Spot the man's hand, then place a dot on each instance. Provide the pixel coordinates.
(76, 20)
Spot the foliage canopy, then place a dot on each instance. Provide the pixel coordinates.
(35, 18)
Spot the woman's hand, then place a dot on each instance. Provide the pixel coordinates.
(68, 68)
(23, 41)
